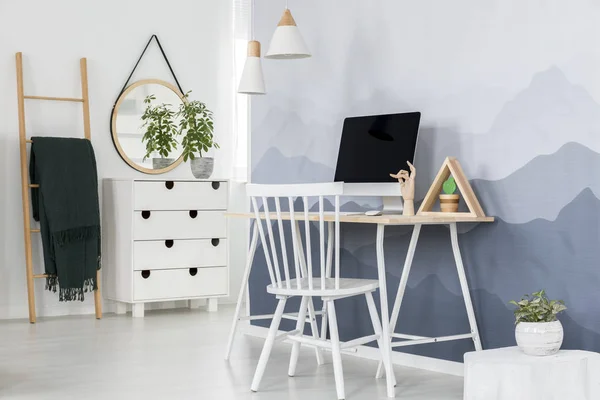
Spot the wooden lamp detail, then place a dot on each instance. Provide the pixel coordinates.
(407, 187)
(451, 168)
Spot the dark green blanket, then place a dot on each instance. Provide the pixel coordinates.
(66, 204)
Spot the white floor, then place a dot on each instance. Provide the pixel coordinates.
(177, 354)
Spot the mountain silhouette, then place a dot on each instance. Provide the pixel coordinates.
(543, 186)
(540, 152)
(274, 167)
(315, 138)
(550, 112)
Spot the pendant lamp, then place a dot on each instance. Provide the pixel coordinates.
(252, 81)
(287, 42)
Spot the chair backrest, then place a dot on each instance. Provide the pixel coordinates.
(301, 255)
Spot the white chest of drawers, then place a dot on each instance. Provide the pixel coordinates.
(164, 240)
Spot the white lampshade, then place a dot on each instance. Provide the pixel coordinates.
(287, 42)
(252, 81)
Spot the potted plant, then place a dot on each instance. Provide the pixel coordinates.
(160, 132)
(538, 332)
(197, 128)
(449, 200)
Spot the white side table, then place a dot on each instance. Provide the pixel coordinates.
(509, 374)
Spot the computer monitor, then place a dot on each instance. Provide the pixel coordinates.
(371, 148)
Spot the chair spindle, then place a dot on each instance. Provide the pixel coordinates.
(274, 253)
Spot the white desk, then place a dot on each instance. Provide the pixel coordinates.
(510, 374)
(387, 325)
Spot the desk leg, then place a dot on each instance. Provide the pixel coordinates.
(464, 286)
(402, 287)
(385, 334)
(244, 286)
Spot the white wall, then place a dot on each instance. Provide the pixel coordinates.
(53, 35)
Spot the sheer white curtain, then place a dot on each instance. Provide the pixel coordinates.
(241, 106)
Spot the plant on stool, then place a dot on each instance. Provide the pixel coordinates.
(538, 331)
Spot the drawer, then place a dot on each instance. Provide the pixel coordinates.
(175, 195)
(162, 225)
(179, 283)
(172, 254)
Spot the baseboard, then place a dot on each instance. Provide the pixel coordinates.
(371, 353)
(22, 312)
(77, 308)
(87, 308)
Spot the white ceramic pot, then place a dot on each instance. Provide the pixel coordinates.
(539, 338)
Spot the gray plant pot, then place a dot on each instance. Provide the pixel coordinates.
(202, 167)
(160, 163)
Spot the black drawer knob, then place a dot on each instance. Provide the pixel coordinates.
(169, 185)
(193, 271)
(145, 214)
(215, 242)
(145, 274)
(216, 185)
(169, 243)
(193, 213)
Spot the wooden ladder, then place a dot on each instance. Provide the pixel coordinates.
(25, 185)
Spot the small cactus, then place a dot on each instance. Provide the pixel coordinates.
(449, 186)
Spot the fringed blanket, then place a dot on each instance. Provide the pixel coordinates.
(66, 205)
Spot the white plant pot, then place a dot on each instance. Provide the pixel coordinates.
(539, 338)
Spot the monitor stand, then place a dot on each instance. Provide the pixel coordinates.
(392, 205)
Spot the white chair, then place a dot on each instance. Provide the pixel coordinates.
(287, 282)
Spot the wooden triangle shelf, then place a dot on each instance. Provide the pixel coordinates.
(451, 166)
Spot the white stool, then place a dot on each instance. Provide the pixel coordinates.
(509, 374)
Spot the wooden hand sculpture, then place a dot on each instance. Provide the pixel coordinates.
(407, 187)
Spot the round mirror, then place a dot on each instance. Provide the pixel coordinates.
(143, 123)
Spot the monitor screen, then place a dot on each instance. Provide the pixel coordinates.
(374, 146)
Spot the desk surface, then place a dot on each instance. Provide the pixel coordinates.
(380, 219)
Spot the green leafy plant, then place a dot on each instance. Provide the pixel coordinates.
(537, 308)
(197, 128)
(160, 129)
(449, 186)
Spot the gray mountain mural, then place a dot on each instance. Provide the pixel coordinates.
(545, 185)
(288, 132)
(550, 112)
(538, 188)
(274, 167)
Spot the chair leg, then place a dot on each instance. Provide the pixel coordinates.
(324, 320)
(335, 351)
(376, 326)
(330, 230)
(243, 288)
(300, 323)
(266, 351)
(315, 330)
